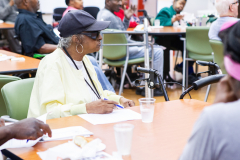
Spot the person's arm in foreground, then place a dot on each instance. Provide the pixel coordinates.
(26, 129)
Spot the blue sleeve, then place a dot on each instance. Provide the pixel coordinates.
(31, 36)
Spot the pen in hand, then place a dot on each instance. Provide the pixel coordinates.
(119, 106)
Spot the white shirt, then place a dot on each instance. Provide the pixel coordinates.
(85, 75)
(216, 26)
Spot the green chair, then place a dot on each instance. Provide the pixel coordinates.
(217, 48)
(197, 47)
(16, 96)
(112, 54)
(4, 79)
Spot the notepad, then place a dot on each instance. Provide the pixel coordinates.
(67, 133)
(14, 143)
(115, 116)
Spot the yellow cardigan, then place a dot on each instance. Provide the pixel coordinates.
(60, 90)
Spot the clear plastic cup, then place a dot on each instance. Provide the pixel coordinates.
(123, 136)
(157, 22)
(147, 109)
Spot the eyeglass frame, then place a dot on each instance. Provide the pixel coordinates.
(236, 2)
(90, 34)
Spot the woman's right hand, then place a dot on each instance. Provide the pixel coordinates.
(178, 17)
(101, 106)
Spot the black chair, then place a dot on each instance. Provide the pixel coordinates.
(92, 10)
(57, 13)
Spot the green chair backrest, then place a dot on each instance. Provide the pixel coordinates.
(217, 48)
(16, 96)
(197, 40)
(4, 79)
(114, 52)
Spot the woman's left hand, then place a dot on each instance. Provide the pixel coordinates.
(126, 102)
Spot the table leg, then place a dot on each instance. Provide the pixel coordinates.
(166, 67)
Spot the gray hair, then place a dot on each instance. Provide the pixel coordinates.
(66, 42)
(222, 6)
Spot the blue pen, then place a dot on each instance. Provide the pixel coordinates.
(116, 104)
(27, 140)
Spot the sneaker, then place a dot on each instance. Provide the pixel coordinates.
(192, 78)
(177, 68)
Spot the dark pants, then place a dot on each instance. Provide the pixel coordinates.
(174, 43)
(13, 43)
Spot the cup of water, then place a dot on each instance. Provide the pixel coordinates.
(157, 22)
(123, 137)
(147, 109)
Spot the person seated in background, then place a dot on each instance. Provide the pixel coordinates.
(66, 82)
(107, 14)
(215, 135)
(167, 17)
(30, 129)
(120, 14)
(228, 11)
(8, 13)
(38, 37)
(73, 5)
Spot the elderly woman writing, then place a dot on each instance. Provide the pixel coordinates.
(66, 82)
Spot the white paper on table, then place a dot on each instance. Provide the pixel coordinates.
(5, 57)
(73, 152)
(116, 116)
(67, 133)
(14, 143)
(43, 117)
(18, 59)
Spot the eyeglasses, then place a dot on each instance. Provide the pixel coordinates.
(93, 35)
(236, 2)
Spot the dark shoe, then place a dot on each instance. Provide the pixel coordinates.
(192, 78)
(177, 68)
(156, 92)
(139, 90)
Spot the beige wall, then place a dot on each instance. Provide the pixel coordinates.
(151, 7)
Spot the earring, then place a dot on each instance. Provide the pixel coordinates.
(77, 48)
